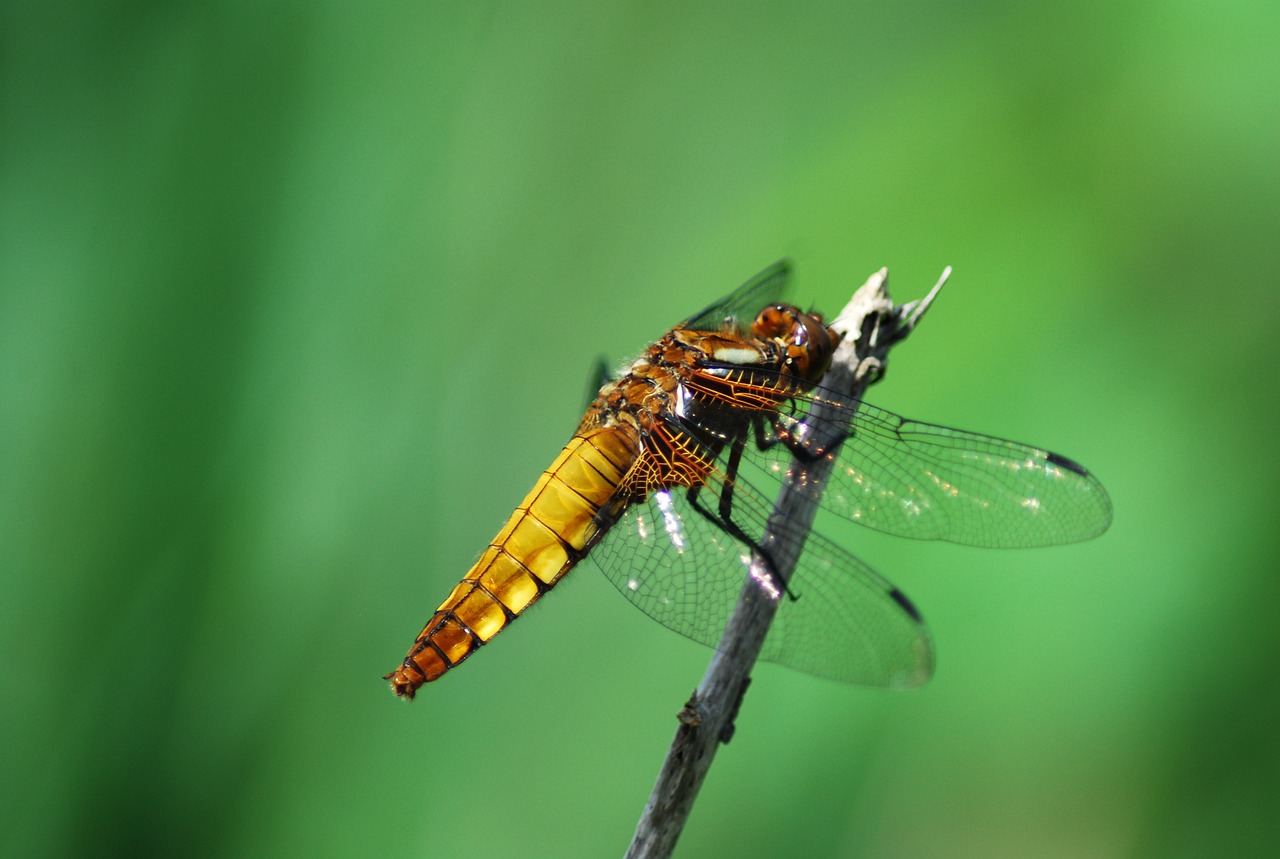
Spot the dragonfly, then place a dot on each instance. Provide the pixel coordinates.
(663, 488)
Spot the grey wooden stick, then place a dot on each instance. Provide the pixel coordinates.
(871, 325)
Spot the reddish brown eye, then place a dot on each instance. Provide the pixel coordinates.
(806, 342)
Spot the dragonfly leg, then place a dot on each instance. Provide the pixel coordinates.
(766, 437)
(723, 518)
(780, 432)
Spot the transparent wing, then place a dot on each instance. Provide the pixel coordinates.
(684, 571)
(600, 375)
(737, 309)
(930, 482)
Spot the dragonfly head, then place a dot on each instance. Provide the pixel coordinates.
(808, 341)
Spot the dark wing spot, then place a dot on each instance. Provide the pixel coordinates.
(907, 605)
(1068, 464)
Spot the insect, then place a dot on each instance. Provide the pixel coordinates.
(660, 487)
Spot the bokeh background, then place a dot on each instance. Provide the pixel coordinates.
(296, 300)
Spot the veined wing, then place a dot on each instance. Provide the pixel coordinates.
(930, 482)
(686, 572)
(738, 309)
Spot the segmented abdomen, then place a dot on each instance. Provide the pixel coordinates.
(545, 537)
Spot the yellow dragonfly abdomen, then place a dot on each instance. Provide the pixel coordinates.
(544, 538)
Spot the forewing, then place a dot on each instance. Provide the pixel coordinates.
(737, 310)
(599, 376)
(930, 482)
(686, 572)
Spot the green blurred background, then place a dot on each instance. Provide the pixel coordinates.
(296, 300)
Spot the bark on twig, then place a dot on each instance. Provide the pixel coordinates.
(871, 325)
